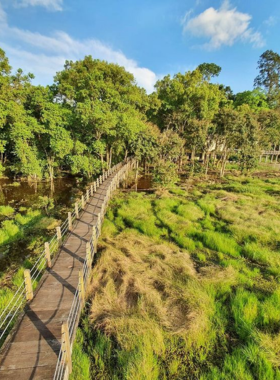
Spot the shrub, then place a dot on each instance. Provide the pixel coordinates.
(6, 211)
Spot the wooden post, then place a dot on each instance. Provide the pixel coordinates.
(88, 253)
(66, 345)
(99, 224)
(94, 240)
(83, 201)
(91, 190)
(103, 176)
(100, 179)
(28, 285)
(77, 210)
(87, 195)
(48, 255)
(94, 186)
(81, 285)
(69, 221)
(59, 237)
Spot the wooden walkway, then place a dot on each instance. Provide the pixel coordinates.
(32, 351)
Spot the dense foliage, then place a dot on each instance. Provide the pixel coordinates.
(94, 114)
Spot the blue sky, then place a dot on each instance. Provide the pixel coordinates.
(150, 38)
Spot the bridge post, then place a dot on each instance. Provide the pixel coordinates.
(102, 210)
(94, 240)
(100, 179)
(98, 224)
(70, 221)
(88, 252)
(59, 237)
(28, 285)
(103, 176)
(87, 195)
(91, 190)
(83, 201)
(81, 285)
(77, 210)
(66, 345)
(48, 255)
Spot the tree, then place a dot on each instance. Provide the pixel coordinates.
(256, 99)
(269, 75)
(209, 70)
(227, 122)
(108, 108)
(188, 105)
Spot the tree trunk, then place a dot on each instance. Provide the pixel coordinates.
(192, 160)
(136, 175)
(223, 166)
(206, 163)
(110, 158)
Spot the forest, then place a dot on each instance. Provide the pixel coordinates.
(95, 114)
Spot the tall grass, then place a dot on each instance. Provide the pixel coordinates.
(186, 286)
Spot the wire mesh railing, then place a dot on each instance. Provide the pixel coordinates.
(64, 363)
(15, 306)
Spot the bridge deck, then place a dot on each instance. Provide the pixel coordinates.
(33, 349)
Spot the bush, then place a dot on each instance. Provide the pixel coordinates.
(165, 173)
(6, 211)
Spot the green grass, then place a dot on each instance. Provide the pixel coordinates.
(186, 285)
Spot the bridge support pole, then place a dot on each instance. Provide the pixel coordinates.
(89, 256)
(81, 285)
(94, 240)
(77, 210)
(66, 346)
(48, 255)
(28, 285)
(70, 226)
(59, 237)
(99, 225)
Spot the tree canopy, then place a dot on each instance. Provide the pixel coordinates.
(94, 114)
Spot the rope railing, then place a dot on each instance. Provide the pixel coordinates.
(64, 362)
(32, 276)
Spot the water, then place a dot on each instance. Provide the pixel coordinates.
(26, 194)
(144, 183)
(63, 192)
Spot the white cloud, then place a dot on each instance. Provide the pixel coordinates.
(45, 55)
(223, 26)
(271, 21)
(54, 5)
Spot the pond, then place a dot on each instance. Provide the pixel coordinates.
(23, 232)
(16, 194)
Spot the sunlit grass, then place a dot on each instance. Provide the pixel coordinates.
(186, 285)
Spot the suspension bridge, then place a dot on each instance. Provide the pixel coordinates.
(39, 322)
